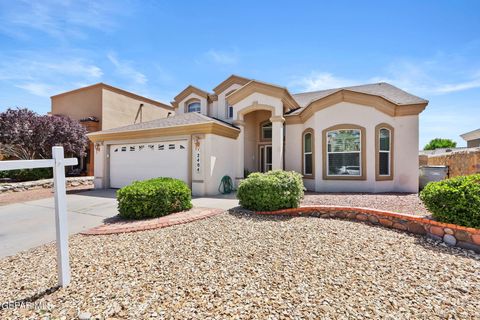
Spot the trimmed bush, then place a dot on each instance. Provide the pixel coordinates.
(27, 174)
(455, 200)
(153, 198)
(271, 191)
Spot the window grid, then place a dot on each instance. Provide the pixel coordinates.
(357, 152)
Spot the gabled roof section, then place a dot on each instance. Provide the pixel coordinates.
(253, 86)
(175, 125)
(472, 135)
(116, 90)
(229, 81)
(188, 90)
(382, 89)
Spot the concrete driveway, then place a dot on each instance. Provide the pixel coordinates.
(30, 224)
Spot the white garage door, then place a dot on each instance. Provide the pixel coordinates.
(130, 162)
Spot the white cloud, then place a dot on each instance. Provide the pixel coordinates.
(125, 69)
(320, 81)
(222, 57)
(58, 18)
(38, 89)
(420, 78)
(46, 75)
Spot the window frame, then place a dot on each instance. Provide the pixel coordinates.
(190, 102)
(262, 124)
(312, 152)
(378, 176)
(362, 152)
(228, 107)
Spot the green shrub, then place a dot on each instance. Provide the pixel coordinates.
(271, 191)
(455, 200)
(153, 198)
(27, 174)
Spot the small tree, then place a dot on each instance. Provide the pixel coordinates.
(440, 143)
(26, 135)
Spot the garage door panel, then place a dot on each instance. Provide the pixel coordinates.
(130, 162)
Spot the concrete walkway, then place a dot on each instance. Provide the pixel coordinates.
(30, 224)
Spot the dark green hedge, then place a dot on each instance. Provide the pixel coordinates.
(271, 191)
(27, 174)
(153, 198)
(455, 200)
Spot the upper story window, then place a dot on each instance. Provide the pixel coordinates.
(194, 107)
(344, 152)
(266, 131)
(229, 110)
(384, 154)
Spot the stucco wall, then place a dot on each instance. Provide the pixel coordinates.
(220, 109)
(405, 148)
(218, 157)
(80, 104)
(120, 110)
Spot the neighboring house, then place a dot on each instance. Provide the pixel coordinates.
(472, 138)
(362, 138)
(102, 107)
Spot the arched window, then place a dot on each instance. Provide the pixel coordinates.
(344, 152)
(308, 154)
(384, 152)
(266, 131)
(194, 107)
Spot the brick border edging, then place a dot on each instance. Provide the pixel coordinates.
(151, 224)
(451, 234)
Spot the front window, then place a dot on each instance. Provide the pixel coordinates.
(384, 152)
(308, 154)
(193, 107)
(344, 152)
(267, 131)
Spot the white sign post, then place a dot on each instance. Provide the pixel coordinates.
(58, 164)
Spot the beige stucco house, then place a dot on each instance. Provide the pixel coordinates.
(362, 138)
(102, 107)
(472, 138)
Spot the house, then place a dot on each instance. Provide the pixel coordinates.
(472, 138)
(102, 107)
(353, 139)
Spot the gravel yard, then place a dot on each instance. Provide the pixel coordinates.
(252, 267)
(408, 203)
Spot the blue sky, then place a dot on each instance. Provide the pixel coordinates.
(156, 48)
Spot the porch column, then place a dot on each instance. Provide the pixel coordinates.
(277, 142)
(240, 165)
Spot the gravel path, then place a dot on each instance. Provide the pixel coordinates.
(252, 267)
(397, 202)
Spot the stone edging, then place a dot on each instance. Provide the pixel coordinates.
(45, 183)
(126, 226)
(451, 234)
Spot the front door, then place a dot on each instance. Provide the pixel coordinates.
(265, 158)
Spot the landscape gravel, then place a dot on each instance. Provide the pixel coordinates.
(249, 267)
(408, 203)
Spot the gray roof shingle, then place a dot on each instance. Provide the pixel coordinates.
(177, 120)
(383, 89)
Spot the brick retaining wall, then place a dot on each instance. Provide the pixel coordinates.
(45, 183)
(451, 234)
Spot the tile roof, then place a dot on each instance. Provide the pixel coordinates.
(177, 120)
(385, 90)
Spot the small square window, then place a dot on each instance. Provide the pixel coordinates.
(132, 148)
(151, 146)
(171, 146)
(116, 150)
(182, 147)
(140, 148)
(124, 149)
(161, 147)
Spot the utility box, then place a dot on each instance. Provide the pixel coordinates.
(432, 173)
